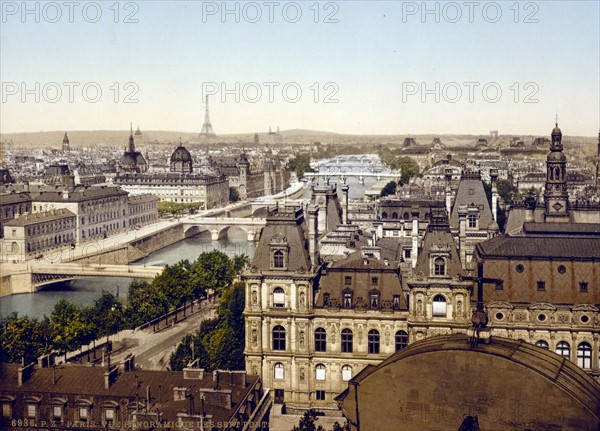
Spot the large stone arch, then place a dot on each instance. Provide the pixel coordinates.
(437, 383)
(194, 230)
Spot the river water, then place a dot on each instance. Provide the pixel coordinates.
(85, 291)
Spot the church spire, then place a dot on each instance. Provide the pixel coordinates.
(131, 142)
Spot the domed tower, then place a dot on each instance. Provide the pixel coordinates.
(556, 196)
(181, 160)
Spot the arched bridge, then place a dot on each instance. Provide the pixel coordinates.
(218, 226)
(343, 175)
(46, 273)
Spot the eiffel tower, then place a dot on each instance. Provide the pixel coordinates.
(207, 128)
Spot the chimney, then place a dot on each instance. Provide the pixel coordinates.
(313, 234)
(345, 203)
(462, 232)
(129, 363)
(24, 373)
(415, 238)
(529, 208)
(110, 376)
(65, 194)
(494, 178)
(448, 175)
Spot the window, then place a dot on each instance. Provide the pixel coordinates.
(320, 395)
(7, 410)
(278, 297)
(57, 413)
(31, 411)
(472, 220)
(439, 306)
(83, 414)
(583, 287)
(401, 340)
(326, 297)
(346, 373)
(407, 253)
(384, 215)
(320, 340)
(584, 355)
(347, 299)
(109, 415)
(373, 341)
(406, 216)
(394, 216)
(541, 285)
(563, 349)
(278, 338)
(320, 372)
(396, 302)
(543, 344)
(374, 302)
(562, 269)
(471, 192)
(278, 259)
(439, 266)
(279, 371)
(374, 281)
(347, 281)
(346, 341)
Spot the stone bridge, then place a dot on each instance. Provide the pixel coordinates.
(218, 226)
(47, 273)
(344, 175)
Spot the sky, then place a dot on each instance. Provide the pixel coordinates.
(347, 67)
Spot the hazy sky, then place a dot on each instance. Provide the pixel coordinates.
(384, 67)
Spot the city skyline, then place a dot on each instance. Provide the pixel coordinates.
(360, 69)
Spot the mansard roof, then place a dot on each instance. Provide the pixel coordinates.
(286, 226)
(470, 191)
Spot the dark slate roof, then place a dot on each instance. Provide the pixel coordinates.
(284, 225)
(439, 237)
(546, 240)
(89, 381)
(77, 194)
(42, 217)
(479, 198)
(14, 198)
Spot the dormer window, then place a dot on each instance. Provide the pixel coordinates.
(472, 220)
(347, 299)
(278, 259)
(347, 281)
(374, 300)
(439, 266)
(374, 281)
(439, 306)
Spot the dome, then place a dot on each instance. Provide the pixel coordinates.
(556, 156)
(181, 154)
(556, 130)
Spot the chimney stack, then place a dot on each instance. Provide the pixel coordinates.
(494, 178)
(313, 234)
(345, 189)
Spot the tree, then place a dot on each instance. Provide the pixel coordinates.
(388, 189)
(338, 427)
(307, 423)
(239, 262)
(300, 164)
(508, 192)
(234, 196)
(71, 328)
(409, 169)
(107, 315)
(212, 271)
(144, 302)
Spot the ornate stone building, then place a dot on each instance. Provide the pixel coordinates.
(132, 161)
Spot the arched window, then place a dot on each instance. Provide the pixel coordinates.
(373, 341)
(278, 338)
(320, 340)
(346, 340)
(279, 371)
(278, 297)
(406, 216)
(439, 266)
(543, 344)
(584, 355)
(346, 373)
(563, 349)
(278, 259)
(439, 306)
(384, 215)
(401, 340)
(394, 215)
(320, 372)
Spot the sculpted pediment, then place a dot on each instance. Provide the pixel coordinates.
(542, 306)
(584, 307)
(499, 304)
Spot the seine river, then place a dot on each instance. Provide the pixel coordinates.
(85, 291)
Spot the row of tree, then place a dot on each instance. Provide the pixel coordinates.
(176, 208)
(219, 342)
(70, 326)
